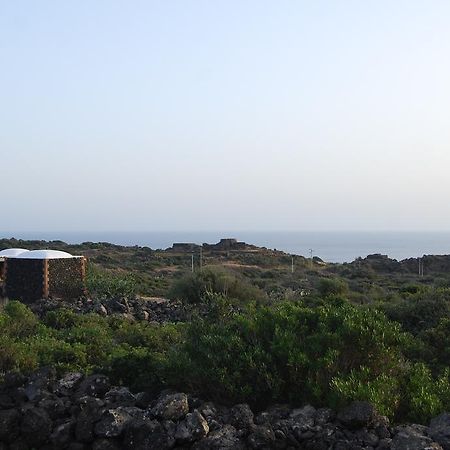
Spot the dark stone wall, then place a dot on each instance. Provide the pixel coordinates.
(184, 247)
(66, 278)
(24, 279)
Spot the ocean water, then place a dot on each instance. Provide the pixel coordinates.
(330, 246)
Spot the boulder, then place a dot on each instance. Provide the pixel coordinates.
(439, 430)
(34, 391)
(357, 415)
(171, 406)
(368, 438)
(13, 379)
(303, 417)
(120, 396)
(113, 422)
(95, 386)
(146, 434)
(384, 444)
(66, 384)
(37, 385)
(62, 435)
(143, 399)
(192, 428)
(19, 444)
(36, 426)
(118, 306)
(100, 309)
(225, 438)
(410, 437)
(106, 444)
(262, 437)
(208, 410)
(6, 401)
(91, 412)
(18, 395)
(9, 425)
(242, 417)
(77, 446)
(55, 406)
(324, 415)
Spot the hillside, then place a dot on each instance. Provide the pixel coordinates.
(245, 327)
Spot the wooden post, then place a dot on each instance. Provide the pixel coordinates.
(83, 275)
(45, 279)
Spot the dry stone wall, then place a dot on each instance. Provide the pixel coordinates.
(24, 279)
(76, 412)
(66, 278)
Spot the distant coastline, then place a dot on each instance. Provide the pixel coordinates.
(339, 246)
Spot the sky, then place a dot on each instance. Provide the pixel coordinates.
(227, 114)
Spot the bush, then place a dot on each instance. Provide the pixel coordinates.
(321, 352)
(103, 284)
(423, 396)
(196, 287)
(69, 341)
(286, 353)
(421, 311)
(18, 320)
(382, 391)
(436, 344)
(332, 286)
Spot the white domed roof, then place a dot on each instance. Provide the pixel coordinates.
(12, 252)
(44, 254)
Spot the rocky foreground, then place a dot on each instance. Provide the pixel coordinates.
(80, 413)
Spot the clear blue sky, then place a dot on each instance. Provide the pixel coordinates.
(190, 114)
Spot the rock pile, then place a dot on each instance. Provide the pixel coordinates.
(153, 310)
(79, 413)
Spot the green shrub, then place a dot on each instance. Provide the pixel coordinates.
(18, 320)
(382, 391)
(61, 319)
(15, 355)
(326, 352)
(54, 352)
(332, 286)
(138, 368)
(103, 284)
(70, 341)
(421, 311)
(194, 288)
(423, 397)
(436, 342)
(286, 353)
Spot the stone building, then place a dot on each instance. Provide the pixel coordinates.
(184, 247)
(31, 275)
(7, 253)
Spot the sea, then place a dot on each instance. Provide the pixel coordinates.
(331, 246)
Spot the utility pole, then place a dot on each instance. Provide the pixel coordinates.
(421, 266)
(192, 262)
(201, 257)
(292, 264)
(311, 256)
